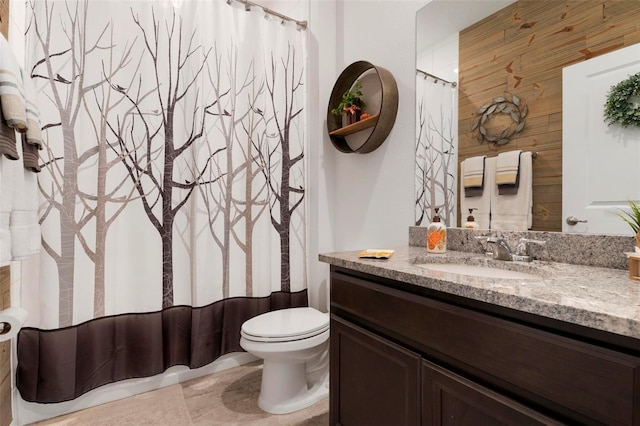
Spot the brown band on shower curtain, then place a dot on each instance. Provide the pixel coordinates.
(62, 364)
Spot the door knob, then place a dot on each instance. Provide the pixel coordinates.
(572, 220)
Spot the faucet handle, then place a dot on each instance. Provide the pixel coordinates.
(483, 240)
(522, 249)
(488, 238)
(501, 249)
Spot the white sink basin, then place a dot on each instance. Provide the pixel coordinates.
(478, 271)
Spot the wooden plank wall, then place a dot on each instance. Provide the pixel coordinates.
(5, 353)
(521, 50)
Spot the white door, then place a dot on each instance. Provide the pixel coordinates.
(600, 163)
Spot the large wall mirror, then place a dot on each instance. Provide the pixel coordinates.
(469, 53)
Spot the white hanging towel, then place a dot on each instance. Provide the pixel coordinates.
(6, 203)
(482, 203)
(24, 226)
(513, 211)
(11, 90)
(20, 140)
(18, 223)
(473, 176)
(507, 167)
(32, 138)
(10, 165)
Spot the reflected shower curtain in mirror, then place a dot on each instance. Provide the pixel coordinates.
(436, 151)
(173, 186)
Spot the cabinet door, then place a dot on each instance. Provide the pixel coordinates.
(451, 400)
(573, 378)
(373, 381)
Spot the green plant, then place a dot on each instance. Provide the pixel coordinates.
(632, 218)
(351, 100)
(618, 108)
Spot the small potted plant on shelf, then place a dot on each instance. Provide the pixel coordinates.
(633, 219)
(351, 104)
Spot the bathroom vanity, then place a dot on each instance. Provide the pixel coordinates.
(412, 345)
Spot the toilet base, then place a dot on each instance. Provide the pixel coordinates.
(284, 388)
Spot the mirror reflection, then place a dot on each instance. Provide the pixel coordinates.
(438, 25)
(508, 59)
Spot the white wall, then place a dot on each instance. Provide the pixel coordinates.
(324, 35)
(359, 201)
(373, 193)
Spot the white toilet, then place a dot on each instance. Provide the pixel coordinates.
(294, 344)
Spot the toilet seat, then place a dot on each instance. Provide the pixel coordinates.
(294, 346)
(285, 325)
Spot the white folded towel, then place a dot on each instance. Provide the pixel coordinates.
(24, 226)
(7, 173)
(18, 218)
(514, 211)
(473, 175)
(507, 167)
(5, 239)
(11, 89)
(19, 225)
(7, 168)
(32, 220)
(481, 203)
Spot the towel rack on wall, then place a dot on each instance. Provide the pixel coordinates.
(534, 154)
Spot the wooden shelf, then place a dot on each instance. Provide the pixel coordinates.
(381, 122)
(356, 127)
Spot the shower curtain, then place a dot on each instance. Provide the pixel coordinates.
(436, 155)
(172, 186)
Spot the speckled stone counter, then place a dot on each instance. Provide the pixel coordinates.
(596, 297)
(579, 249)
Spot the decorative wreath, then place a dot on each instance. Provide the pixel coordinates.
(514, 106)
(619, 107)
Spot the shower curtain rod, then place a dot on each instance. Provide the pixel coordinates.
(436, 78)
(302, 25)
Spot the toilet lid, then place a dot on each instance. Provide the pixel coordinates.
(286, 324)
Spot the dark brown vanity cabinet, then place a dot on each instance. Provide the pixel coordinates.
(402, 355)
(449, 399)
(376, 382)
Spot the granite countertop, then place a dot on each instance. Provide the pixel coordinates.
(595, 297)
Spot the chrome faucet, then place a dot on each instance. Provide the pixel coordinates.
(483, 241)
(500, 250)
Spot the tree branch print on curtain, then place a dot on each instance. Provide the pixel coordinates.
(219, 199)
(161, 194)
(436, 157)
(62, 66)
(254, 203)
(278, 158)
(169, 137)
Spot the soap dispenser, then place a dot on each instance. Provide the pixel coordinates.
(436, 235)
(471, 221)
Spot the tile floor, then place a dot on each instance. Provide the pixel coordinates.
(228, 397)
